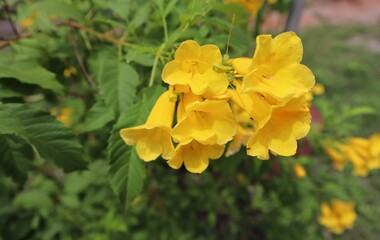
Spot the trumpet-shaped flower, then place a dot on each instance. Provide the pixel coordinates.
(275, 69)
(153, 138)
(194, 155)
(280, 130)
(208, 122)
(337, 216)
(193, 66)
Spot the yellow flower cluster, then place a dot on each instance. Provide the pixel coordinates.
(363, 153)
(337, 216)
(265, 110)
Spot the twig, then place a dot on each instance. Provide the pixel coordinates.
(7, 42)
(8, 11)
(99, 35)
(74, 44)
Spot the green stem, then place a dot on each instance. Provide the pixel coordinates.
(155, 63)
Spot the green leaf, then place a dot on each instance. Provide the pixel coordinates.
(50, 138)
(15, 158)
(117, 81)
(28, 71)
(127, 172)
(97, 117)
(12, 89)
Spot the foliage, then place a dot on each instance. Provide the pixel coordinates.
(78, 180)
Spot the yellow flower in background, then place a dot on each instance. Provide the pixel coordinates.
(70, 71)
(272, 1)
(208, 122)
(336, 151)
(252, 6)
(280, 131)
(337, 216)
(27, 22)
(275, 69)
(360, 154)
(193, 66)
(63, 115)
(299, 171)
(194, 155)
(153, 138)
(318, 89)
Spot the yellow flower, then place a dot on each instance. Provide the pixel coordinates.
(275, 69)
(64, 115)
(252, 6)
(208, 122)
(153, 138)
(194, 155)
(27, 22)
(280, 129)
(336, 151)
(318, 89)
(70, 71)
(360, 152)
(272, 1)
(299, 171)
(337, 216)
(193, 66)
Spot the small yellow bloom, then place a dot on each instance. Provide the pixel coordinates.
(336, 151)
(70, 71)
(275, 69)
(337, 216)
(194, 155)
(299, 171)
(272, 1)
(318, 89)
(27, 22)
(193, 66)
(208, 122)
(63, 115)
(153, 138)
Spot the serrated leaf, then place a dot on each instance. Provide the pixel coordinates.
(15, 158)
(117, 81)
(49, 137)
(97, 117)
(29, 71)
(127, 171)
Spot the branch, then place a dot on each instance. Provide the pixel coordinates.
(7, 42)
(8, 11)
(74, 44)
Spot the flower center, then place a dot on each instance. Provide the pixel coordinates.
(191, 66)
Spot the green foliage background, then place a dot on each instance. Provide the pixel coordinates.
(83, 182)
